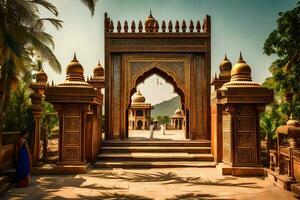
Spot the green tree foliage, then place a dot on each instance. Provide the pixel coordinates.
(22, 30)
(284, 42)
(18, 114)
(163, 119)
(166, 119)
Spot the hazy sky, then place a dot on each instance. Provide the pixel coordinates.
(237, 25)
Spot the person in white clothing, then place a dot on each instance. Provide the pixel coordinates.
(151, 130)
(162, 129)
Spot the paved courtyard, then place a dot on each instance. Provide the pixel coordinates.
(146, 184)
(157, 135)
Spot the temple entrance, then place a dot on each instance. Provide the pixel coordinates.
(139, 125)
(181, 58)
(156, 109)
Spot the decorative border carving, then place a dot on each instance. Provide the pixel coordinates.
(158, 42)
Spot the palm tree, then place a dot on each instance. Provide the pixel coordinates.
(22, 31)
(90, 4)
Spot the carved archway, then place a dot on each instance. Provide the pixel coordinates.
(184, 56)
(169, 79)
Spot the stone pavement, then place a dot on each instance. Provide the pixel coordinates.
(146, 184)
(157, 135)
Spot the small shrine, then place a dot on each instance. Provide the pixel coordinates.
(139, 113)
(178, 119)
(79, 107)
(242, 100)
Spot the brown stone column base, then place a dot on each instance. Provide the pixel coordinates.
(279, 180)
(240, 171)
(296, 189)
(53, 169)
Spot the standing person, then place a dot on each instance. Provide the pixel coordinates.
(23, 161)
(164, 129)
(151, 130)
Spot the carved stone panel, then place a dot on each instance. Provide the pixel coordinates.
(157, 42)
(245, 135)
(72, 110)
(72, 124)
(246, 155)
(71, 154)
(71, 135)
(116, 94)
(72, 139)
(226, 124)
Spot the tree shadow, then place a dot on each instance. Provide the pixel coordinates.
(193, 196)
(46, 187)
(171, 178)
(116, 196)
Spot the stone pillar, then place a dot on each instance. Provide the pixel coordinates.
(217, 109)
(242, 101)
(36, 97)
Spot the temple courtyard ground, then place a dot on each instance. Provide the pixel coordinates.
(146, 184)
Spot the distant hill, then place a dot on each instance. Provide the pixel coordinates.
(166, 107)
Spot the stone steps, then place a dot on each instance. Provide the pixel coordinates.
(155, 149)
(154, 157)
(154, 154)
(167, 164)
(157, 143)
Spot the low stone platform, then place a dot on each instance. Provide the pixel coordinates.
(160, 184)
(240, 171)
(53, 169)
(296, 188)
(278, 180)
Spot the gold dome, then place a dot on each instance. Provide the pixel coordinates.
(138, 98)
(225, 66)
(41, 77)
(75, 71)
(99, 70)
(149, 23)
(241, 71)
(178, 111)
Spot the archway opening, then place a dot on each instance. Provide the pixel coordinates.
(157, 108)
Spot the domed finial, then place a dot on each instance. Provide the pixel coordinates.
(241, 71)
(241, 58)
(74, 58)
(75, 71)
(225, 67)
(139, 92)
(150, 13)
(98, 62)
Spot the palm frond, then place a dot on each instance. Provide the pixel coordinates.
(49, 6)
(90, 4)
(55, 22)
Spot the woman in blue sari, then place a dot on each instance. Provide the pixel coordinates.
(23, 161)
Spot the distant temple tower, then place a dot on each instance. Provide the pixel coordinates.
(139, 113)
(178, 119)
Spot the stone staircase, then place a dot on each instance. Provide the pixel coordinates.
(154, 154)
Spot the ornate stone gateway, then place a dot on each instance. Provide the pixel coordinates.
(180, 56)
